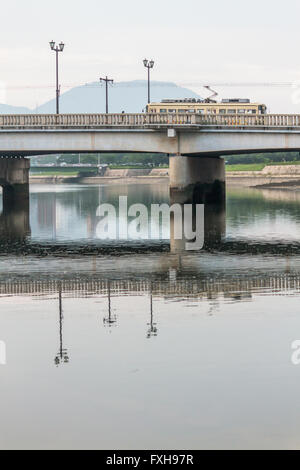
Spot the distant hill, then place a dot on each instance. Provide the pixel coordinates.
(130, 97)
(7, 109)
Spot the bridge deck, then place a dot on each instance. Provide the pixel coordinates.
(144, 121)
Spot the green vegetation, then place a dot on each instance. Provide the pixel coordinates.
(136, 167)
(249, 162)
(246, 167)
(257, 166)
(54, 173)
(132, 159)
(266, 158)
(114, 161)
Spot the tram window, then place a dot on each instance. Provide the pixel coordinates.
(171, 110)
(241, 111)
(200, 111)
(253, 111)
(231, 111)
(191, 111)
(163, 110)
(222, 111)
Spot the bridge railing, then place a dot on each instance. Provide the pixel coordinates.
(72, 120)
(46, 121)
(254, 120)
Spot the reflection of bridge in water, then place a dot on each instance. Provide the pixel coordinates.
(232, 288)
(181, 288)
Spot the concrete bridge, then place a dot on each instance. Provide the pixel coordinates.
(182, 137)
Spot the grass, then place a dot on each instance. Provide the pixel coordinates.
(284, 163)
(135, 167)
(257, 166)
(128, 167)
(61, 171)
(246, 167)
(235, 167)
(54, 173)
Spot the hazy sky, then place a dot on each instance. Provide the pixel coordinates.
(192, 41)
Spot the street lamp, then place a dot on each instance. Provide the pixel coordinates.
(149, 64)
(57, 49)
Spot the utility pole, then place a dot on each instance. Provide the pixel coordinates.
(107, 81)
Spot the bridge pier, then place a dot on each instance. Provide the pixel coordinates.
(14, 179)
(14, 223)
(197, 180)
(213, 229)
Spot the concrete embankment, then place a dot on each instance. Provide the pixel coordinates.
(145, 176)
(270, 176)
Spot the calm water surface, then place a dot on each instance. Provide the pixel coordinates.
(142, 345)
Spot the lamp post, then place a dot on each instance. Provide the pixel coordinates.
(149, 64)
(57, 49)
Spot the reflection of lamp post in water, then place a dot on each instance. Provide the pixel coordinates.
(111, 319)
(152, 330)
(62, 356)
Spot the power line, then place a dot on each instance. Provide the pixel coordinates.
(161, 84)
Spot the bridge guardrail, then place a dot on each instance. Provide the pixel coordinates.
(53, 121)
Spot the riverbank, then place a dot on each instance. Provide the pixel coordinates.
(285, 176)
(111, 176)
(97, 180)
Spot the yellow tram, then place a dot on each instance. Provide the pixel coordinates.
(236, 106)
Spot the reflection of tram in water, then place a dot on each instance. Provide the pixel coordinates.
(208, 106)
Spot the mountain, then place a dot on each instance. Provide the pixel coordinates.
(130, 97)
(7, 109)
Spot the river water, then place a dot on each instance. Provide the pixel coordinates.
(139, 344)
